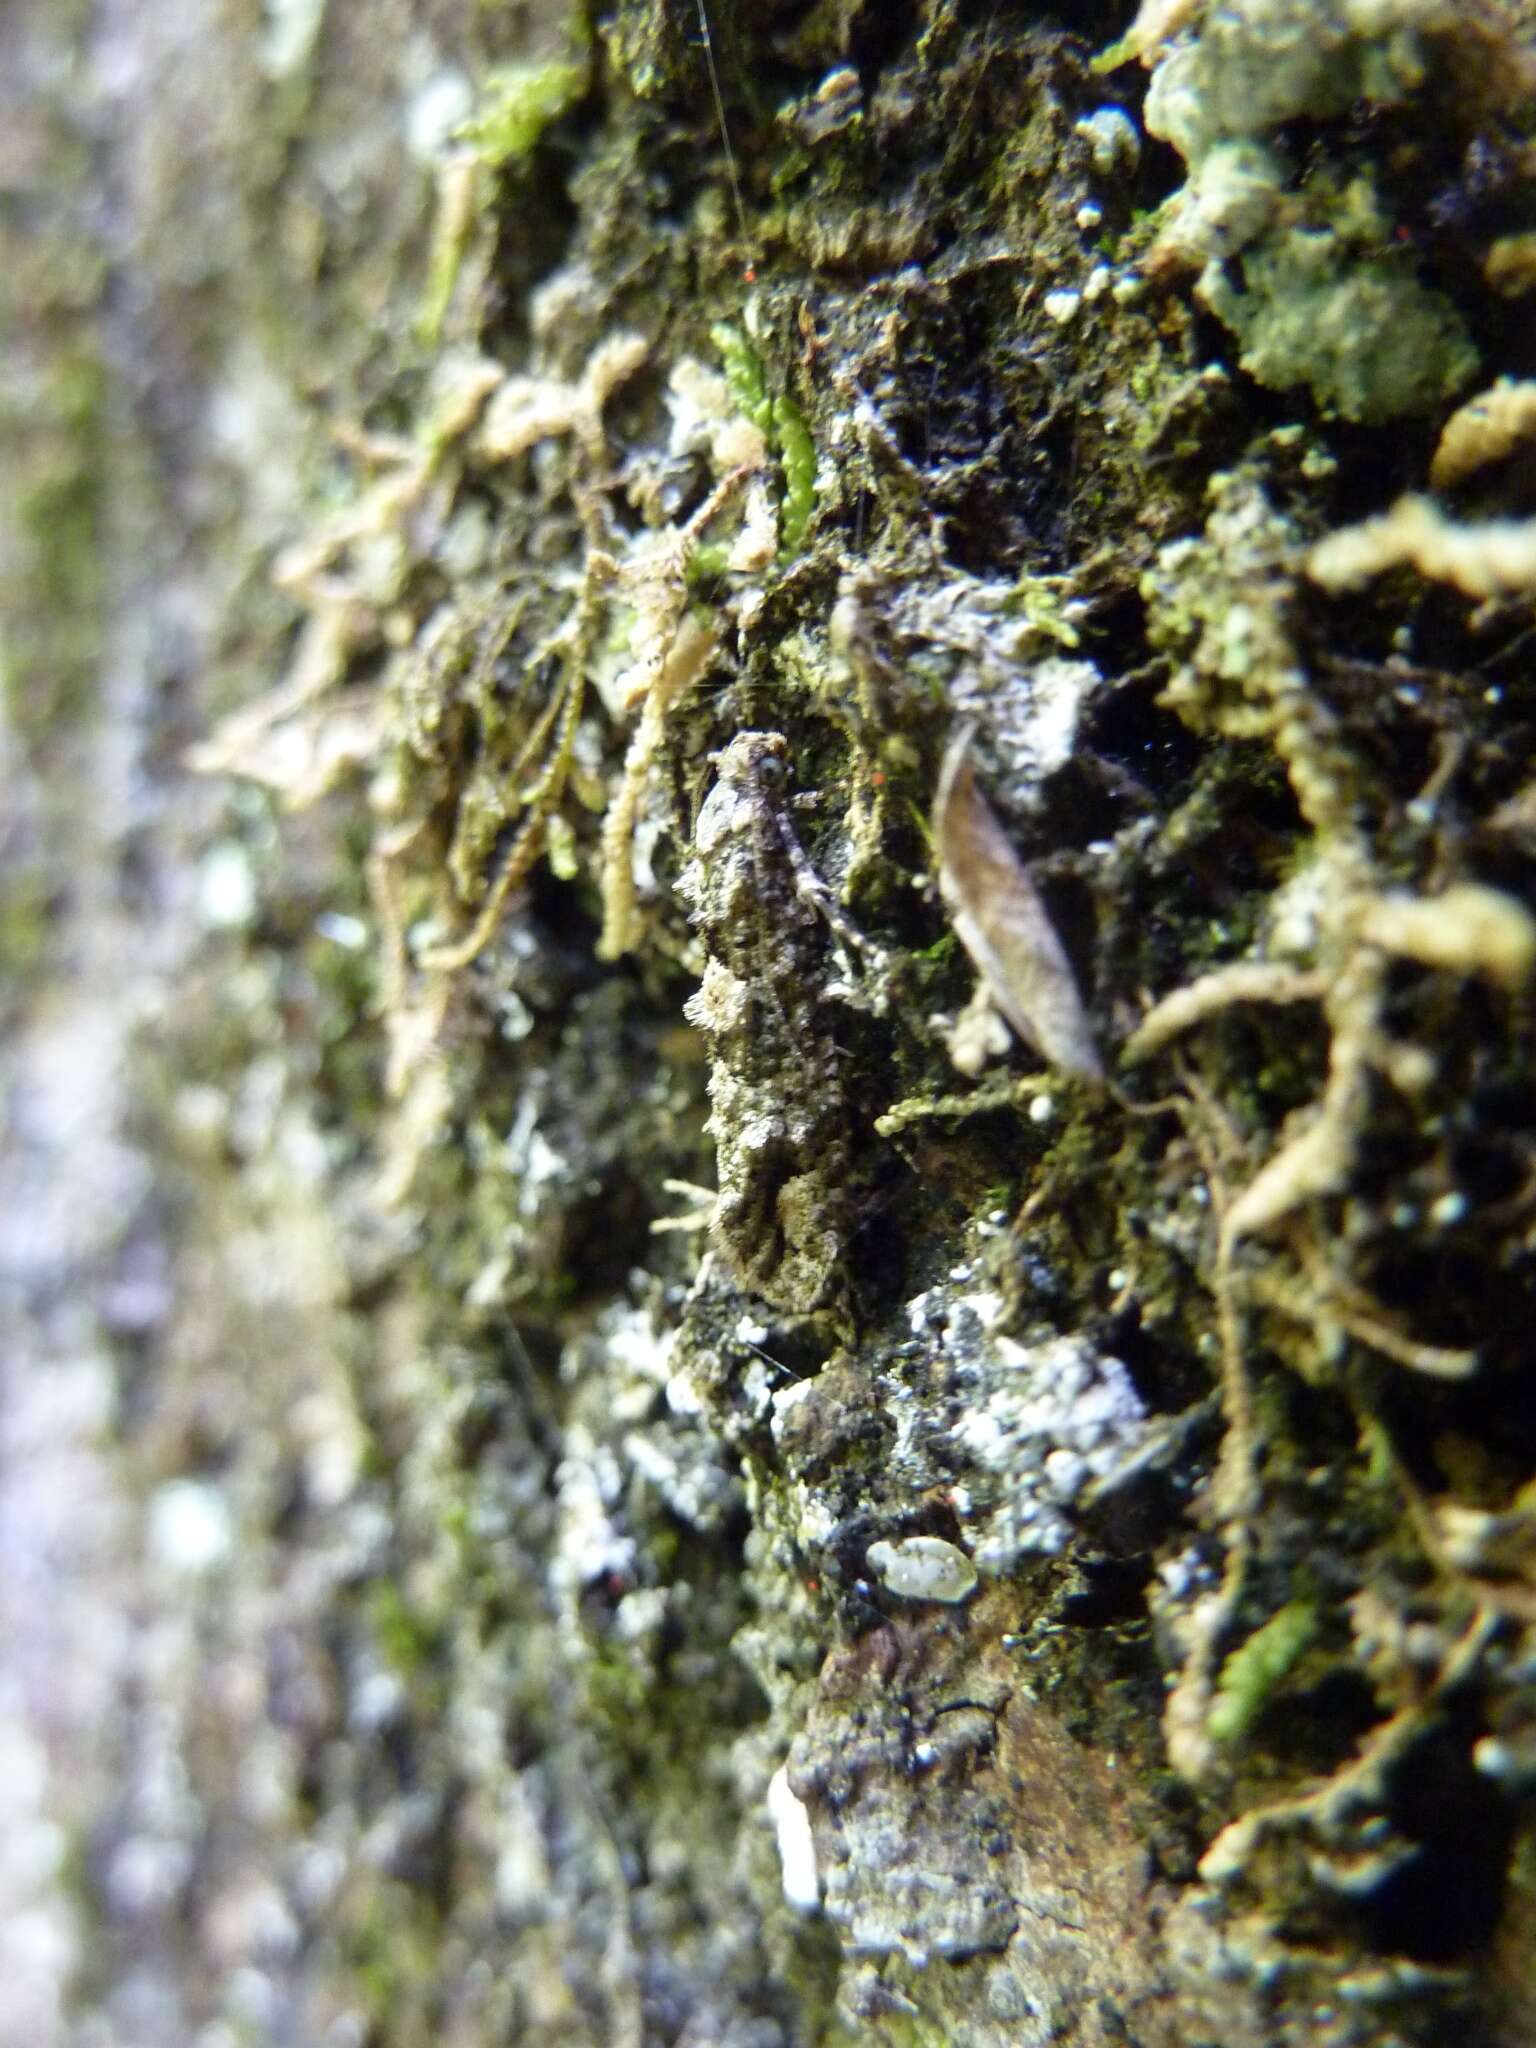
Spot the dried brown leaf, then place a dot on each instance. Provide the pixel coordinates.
(1002, 922)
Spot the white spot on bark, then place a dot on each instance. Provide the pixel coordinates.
(797, 1848)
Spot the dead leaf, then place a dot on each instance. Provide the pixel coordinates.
(1002, 923)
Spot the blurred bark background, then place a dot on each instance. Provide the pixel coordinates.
(592, 1451)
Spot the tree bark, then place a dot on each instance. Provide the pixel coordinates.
(766, 905)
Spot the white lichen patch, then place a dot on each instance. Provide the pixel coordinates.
(590, 1544)
(190, 1527)
(1048, 1421)
(1319, 294)
(1003, 654)
(1256, 64)
(923, 1568)
(1018, 1434)
(289, 34)
(639, 1461)
(1232, 195)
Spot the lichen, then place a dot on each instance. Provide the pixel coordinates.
(1250, 67)
(1360, 331)
(1306, 272)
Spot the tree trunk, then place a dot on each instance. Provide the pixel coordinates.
(767, 937)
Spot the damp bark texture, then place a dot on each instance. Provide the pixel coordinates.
(768, 1003)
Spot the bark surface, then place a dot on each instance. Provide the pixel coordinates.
(767, 925)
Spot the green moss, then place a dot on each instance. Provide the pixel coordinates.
(781, 423)
(404, 1638)
(392, 1952)
(24, 921)
(1042, 601)
(1114, 56)
(517, 103)
(744, 373)
(1253, 1671)
(708, 562)
(616, 1693)
(1089, 1191)
(797, 457)
(58, 480)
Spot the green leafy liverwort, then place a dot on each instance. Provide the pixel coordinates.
(782, 425)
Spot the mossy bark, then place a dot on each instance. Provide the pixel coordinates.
(603, 1454)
